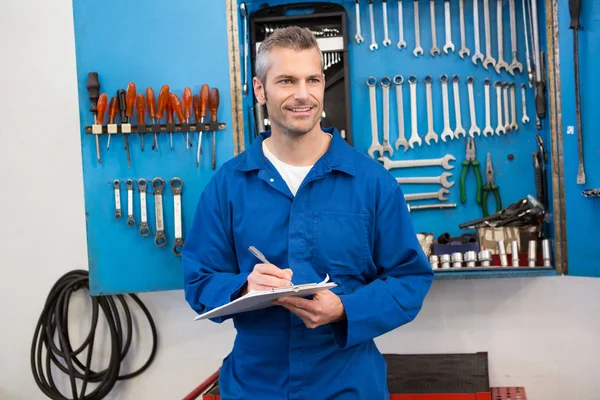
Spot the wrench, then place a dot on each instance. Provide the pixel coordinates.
(401, 141)
(529, 72)
(375, 145)
(447, 132)
(373, 45)
(448, 25)
(459, 128)
(386, 39)
(385, 85)
(515, 64)
(525, 118)
(488, 124)
(117, 189)
(477, 55)
(434, 49)
(130, 218)
(158, 185)
(474, 128)
(441, 180)
(431, 195)
(414, 137)
(418, 51)
(176, 188)
(144, 230)
(464, 51)
(433, 162)
(358, 37)
(401, 41)
(500, 126)
(499, 21)
(513, 107)
(488, 36)
(244, 12)
(430, 132)
(507, 126)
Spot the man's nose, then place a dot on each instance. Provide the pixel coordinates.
(301, 91)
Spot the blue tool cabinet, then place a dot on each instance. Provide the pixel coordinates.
(183, 44)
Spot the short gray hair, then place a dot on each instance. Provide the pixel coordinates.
(291, 37)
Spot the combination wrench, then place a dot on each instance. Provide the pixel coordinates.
(117, 190)
(176, 188)
(529, 72)
(440, 195)
(157, 185)
(488, 123)
(489, 60)
(401, 41)
(401, 141)
(434, 48)
(500, 126)
(433, 162)
(386, 38)
(358, 37)
(474, 128)
(414, 137)
(448, 25)
(459, 130)
(447, 132)
(440, 180)
(500, 63)
(130, 218)
(464, 51)
(507, 126)
(244, 12)
(477, 55)
(515, 64)
(373, 45)
(525, 118)
(385, 88)
(430, 130)
(418, 51)
(375, 145)
(144, 230)
(513, 107)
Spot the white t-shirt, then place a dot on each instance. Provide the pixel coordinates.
(292, 175)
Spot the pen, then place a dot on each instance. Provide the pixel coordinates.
(260, 256)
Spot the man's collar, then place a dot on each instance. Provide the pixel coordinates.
(337, 157)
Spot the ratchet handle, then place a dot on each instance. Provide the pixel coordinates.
(574, 10)
(540, 100)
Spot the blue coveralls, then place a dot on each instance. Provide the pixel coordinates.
(348, 219)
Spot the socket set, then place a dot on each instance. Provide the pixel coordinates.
(591, 193)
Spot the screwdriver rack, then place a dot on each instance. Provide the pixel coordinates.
(160, 128)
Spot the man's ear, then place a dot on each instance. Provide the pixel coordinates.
(259, 91)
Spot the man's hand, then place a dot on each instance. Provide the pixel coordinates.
(267, 276)
(324, 308)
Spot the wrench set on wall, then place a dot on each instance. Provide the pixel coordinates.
(156, 188)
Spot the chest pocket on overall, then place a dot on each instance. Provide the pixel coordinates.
(340, 242)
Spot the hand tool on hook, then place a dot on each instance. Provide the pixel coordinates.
(373, 45)
(418, 51)
(111, 127)
(401, 41)
(151, 104)
(470, 160)
(125, 125)
(140, 105)
(435, 50)
(464, 50)
(186, 106)
(375, 145)
(434, 162)
(386, 36)
(527, 55)
(358, 37)
(449, 46)
(213, 104)
(130, 97)
(401, 141)
(447, 132)
(477, 54)
(500, 125)
(474, 128)
(163, 100)
(500, 63)
(459, 130)
(525, 118)
(386, 82)
(93, 88)
(574, 10)
(244, 12)
(431, 135)
(515, 64)
(414, 137)
(489, 60)
(540, 86)
(490, 186)
(488, 123)
(202, 104)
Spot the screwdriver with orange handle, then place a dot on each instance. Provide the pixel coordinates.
(196, 103)
(100, 113)
(163, 100)
(93, 88)
(140, 104)
(214, 107)
(130, 96)
(202, 103)
(113, 108)
(170, 123)
(151, 103)
(187, 105)
(176, 106)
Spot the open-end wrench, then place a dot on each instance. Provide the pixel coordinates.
(176, 188)
(401, 41)
(386, 82)
(144, 229)
(414, 136)
(373, 45)
(130, 218)
(157, 185)
(529, 71)
(440, 195)
(244, 12)
(513, 107)
(448, 25)
(474, 128)
(525, 118)
(441, 180)
(447, 132)
(386, 36)
(500, 63)
(464, 50)
(459, 130)
(434, 48)
(477, 55)
(375, 145)
(358, 37)
(430, 130)
(500, 125)
(117, 189)
(433, 162)
(489, 60)
(418, 51)
(515, 64)
(507, 126)
(488, 118)
(401, 141)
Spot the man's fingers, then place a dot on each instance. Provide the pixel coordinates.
(273, 270)
(309, 318)
(298, 302)
(271, 281)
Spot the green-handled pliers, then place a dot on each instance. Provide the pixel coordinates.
(470, 160)
(490, 186)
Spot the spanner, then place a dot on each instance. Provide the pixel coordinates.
(158, 185)
(358, 37)
(386, 39)
(500, 126)
(425, 196)
(477, 55)
(448, 25)
(144, 230)
(529, 71)
(401, 141)
(375, 145)
(447, 132)
(459, 128)
(525, 118)
(117, 189)
(513, 107)
(414, 137)
(401, 41)
(434, 162)
(474, 128)
(464, 51)
(430, 132)
(176, 188)
(434, 49)
(488, 36)
(441, 180)
(373, 45)
(507, 126)
(499, 21)
(515, 64)
(130, 218)
(488, 123)
(418, 51)
(385, 85)
(244, 12)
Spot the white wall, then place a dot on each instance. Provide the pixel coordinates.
(540, 333)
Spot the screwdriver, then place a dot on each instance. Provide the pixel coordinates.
(141, 109)
(93, 88)
(113, 108)
(125, 125)
(214, 107)
(196, 102)
(100, 113)
(203, 102)
(151, 101)
(130, 102)
(187, 105)
(169, 111)
(163, 99)
(176, 106)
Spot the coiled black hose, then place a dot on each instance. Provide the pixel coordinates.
(53, 325)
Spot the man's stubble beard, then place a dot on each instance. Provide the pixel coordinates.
(288, 130)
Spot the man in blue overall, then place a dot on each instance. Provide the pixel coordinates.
(313, 205)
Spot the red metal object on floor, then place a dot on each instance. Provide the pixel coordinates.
(203, 387)
(509, 393)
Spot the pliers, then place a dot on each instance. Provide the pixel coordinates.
(490, 186)
(470, 160)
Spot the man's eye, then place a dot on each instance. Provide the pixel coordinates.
(315, 80)
(285, 81)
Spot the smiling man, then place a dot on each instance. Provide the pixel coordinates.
(314, 206)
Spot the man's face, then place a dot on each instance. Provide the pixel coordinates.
(293, 91)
